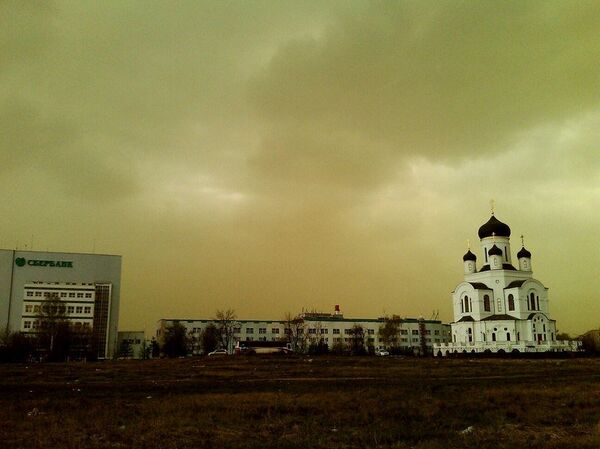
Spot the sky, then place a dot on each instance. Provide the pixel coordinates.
(275, 156)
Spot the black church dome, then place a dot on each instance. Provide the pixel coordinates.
(469, 256)
(523, 253)
(494, 227)
(495, 251)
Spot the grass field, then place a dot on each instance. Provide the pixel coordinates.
(321, 402)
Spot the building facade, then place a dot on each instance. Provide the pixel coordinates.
(85, 287)
(499, 307)
(133, 345)
(417, 335)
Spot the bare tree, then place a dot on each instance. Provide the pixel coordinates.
(226, 324)
(357, 340)
(295, 332)
(390, 330)
(55, 336)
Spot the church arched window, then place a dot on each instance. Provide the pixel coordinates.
(486, 303)
(466, 301)
(531, 301)
(508, 336)
(493, 336)
(511, 302)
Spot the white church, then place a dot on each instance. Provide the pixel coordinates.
(499, 308)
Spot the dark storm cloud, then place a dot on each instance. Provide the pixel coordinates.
(275, 155)
(442, 80)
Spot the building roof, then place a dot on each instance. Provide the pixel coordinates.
(308, 319)
(465, 318)
(495, 251)
(515, 284)
(494, 227)
(469, 256)
(502, 317)
(523, 253)
(479, 286)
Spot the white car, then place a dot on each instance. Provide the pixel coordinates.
(218, 352)
(381, 352)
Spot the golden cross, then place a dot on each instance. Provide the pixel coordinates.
(522, 241)
(468, 244)
(492, 205)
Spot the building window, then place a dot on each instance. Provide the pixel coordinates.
(38, 293)
(87, 309)
(237, 330)
(262, 330)
(486, 303)
(70, 309)
(275, 330)
(467, 305)
(371, 331)
(531, 302)
(71, 295)
(403, 331)
(88, 295)
(336, 331)
(511, 302)
(436, 332)
(415, 332)
(79, 309)
(508, 336)
(493, 336)
(29, 293)
(347, 331)
(324, 331)
(28, 308)
(80, 295)
(249, 330)
(27, 325)
(312, 331)
(63, 295)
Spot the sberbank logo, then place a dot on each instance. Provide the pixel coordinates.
(21, 262)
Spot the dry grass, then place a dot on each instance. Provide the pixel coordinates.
(302, 403)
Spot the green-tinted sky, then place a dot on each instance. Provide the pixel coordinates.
(269, 156)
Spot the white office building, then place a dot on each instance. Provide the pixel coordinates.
(417, 335)
(499, 308)
(85, 286)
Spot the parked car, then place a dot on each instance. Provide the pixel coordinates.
(381, 352)
(218, 352)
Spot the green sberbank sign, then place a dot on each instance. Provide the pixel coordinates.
(21, 262)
